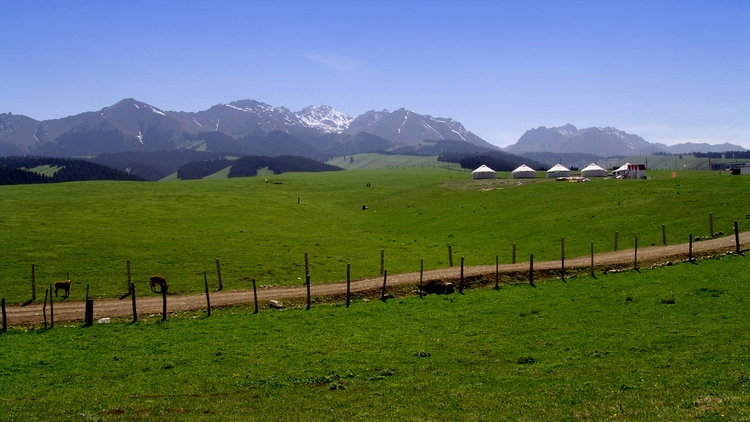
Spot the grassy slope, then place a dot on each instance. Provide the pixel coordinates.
(594, 349)
(374, 160)
(46, 170)
(259, 230)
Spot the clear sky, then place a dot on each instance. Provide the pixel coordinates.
(669, 71)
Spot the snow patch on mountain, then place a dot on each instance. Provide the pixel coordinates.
(324, 118)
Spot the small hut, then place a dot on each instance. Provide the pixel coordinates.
(523, 172)
(630, 171)
(483, 172)
(593, 170)
(558, 171)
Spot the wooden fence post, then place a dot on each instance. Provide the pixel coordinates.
(307, 282)
(664, 235)
(33, 284)
(255, 296)
(130, 281)
(51, 309)
(450, 255)
(385, 277)
(497, 272)
(5, 317)
(163, 304)
(132, 298)
(307, 265)
(562, 258)
(461, 283)
(382, 261)
(44, 308)
(208, 298)
(218, 274)
(617, 234)
(348, 283)
(736, 237)
(421, 276)
(514, 253)
(89, 313)
(531, 270)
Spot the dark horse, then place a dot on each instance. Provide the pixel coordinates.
(64, 286)
(157, 280)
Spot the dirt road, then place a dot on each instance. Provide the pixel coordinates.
(74, 311)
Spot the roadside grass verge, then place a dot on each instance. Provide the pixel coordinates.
(670, 343)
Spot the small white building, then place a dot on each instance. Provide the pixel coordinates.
(630, 171)
(483, 172)
(523, 172)
(593, 170)
(558, 171)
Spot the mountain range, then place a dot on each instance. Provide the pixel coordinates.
(250, 127)
(602, 142)
(246, 126)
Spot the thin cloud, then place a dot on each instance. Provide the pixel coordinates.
(336, 63)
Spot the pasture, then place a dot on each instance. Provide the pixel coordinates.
(262, 230)
(663, 344)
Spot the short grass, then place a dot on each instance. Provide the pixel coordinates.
(262, 230)
(670, 344)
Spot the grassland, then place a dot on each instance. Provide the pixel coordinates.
(262, 230)
(669, 344)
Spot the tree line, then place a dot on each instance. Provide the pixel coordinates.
(16, 170)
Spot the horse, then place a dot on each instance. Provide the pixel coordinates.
(157, 280)
(63, 285)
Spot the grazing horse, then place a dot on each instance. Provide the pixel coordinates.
(63, 285)
(157, 280)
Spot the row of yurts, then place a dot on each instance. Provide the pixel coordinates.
(627, 170)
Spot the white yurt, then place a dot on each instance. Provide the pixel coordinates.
(593, 170)
(483, 172)
(558, 171)
(523, 172)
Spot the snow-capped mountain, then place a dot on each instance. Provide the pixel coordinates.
(604, 142)
(324, 118)
(405, 127)
(132, 125)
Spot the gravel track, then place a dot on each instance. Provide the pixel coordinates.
(67, 311)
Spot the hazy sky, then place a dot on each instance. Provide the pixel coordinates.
(669, 71)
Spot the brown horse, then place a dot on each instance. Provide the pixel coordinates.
(64, 286)
(157, 280)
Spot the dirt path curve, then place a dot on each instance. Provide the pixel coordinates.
(74, 310)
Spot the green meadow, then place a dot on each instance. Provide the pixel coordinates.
(262, 230)
(668, 344)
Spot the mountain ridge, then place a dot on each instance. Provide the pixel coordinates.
(132, 125)
(601, 141)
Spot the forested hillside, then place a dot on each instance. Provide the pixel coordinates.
(18, 170)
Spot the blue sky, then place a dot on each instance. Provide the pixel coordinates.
(669, 71)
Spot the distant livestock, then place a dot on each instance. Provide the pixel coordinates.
(157, 280)
(64, 286)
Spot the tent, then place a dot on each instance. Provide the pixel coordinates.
(483, 172)
(523, 172)
(630, 171)
(558, 171)
(593, 171)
